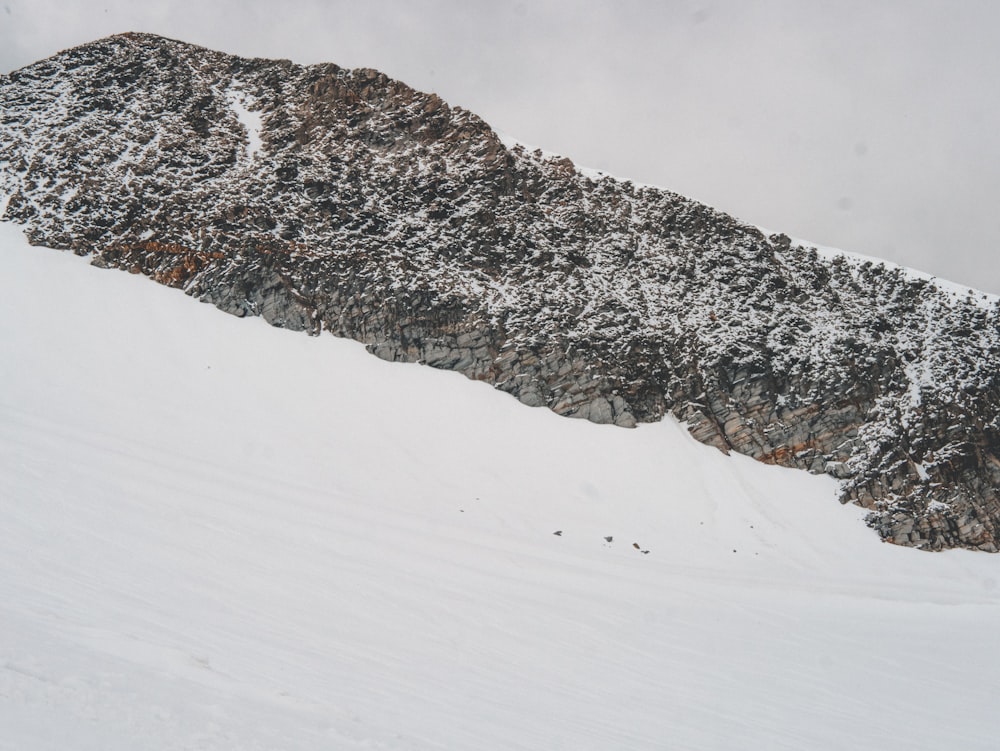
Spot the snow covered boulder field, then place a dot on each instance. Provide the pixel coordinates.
(218, 535)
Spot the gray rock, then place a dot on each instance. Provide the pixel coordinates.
(380, 213)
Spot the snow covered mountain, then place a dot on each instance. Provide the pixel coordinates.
(216, 535)
(328, 199)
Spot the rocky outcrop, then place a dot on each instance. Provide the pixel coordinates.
(380, 213)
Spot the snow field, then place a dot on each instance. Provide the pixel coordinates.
(216, 534)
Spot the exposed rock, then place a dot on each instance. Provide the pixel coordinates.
(380, 213)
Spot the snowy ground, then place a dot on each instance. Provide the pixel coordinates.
(219, 535)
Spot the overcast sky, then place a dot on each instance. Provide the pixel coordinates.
(871, 126)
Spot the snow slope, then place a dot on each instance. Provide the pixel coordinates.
(218, 535)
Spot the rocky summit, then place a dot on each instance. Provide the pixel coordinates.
(328, 199)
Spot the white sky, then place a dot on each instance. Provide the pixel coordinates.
(872, 126)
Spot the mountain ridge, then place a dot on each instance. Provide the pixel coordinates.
(383, 214)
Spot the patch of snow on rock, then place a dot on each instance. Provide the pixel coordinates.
(251, 121)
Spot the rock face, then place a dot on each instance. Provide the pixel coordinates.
(342, 200)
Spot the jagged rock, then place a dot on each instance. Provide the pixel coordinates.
(380, 213)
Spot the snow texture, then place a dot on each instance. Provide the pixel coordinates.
(251, 121)
(216, 535)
